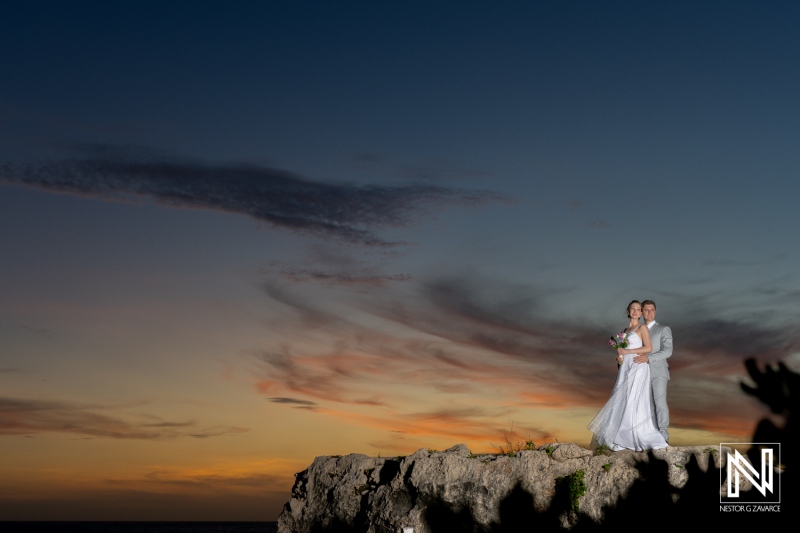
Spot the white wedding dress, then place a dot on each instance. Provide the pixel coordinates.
(626, 420)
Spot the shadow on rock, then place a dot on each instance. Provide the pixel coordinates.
(336, 526)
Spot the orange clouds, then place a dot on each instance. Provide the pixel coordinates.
(462, 353)
(22, 417)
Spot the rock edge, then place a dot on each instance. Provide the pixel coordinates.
(376, 495)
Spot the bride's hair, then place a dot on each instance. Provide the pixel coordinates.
(628, 309)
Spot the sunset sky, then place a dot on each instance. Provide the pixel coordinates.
(235, 236)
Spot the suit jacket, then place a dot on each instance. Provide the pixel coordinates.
(661, 339)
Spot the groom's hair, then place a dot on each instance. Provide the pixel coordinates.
(649, 302)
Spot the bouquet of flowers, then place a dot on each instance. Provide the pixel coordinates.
(620, 340)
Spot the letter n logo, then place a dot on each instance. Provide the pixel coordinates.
(763, 481)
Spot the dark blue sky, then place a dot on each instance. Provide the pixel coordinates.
(378, 225)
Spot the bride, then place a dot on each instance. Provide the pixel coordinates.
(626, 420)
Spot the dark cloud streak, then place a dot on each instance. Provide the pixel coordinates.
(332, 276)
(297, 404)
(344, 211)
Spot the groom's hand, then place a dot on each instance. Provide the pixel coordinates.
(641, 359)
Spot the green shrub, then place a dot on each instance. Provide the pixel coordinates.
(577, 488)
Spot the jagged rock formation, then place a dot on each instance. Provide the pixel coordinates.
(455, 490)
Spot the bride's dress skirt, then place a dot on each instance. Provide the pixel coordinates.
(626, 420)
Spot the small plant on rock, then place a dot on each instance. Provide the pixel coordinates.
(510, 449)
(602, 450)
(577, 488)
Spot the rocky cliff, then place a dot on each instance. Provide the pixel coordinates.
(558, 486)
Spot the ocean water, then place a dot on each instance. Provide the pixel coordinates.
(139, 527)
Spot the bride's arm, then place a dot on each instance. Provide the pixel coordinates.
(646, 346)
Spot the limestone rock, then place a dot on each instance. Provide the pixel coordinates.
(428, 490)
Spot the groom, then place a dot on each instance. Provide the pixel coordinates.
(661, 339)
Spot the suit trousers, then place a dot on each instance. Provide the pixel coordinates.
(661, 411)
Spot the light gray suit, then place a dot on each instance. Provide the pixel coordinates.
(661, 339)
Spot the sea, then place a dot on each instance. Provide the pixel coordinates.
(139, 527)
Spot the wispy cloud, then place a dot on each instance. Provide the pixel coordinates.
(466, 338)
(22, 417)
(332, 265)
(599, 223)
(344, 211)
(293, 402)
(338, 278)
(40, 331)
(720, 262)
(214, 491)
(212, 480)
(736, 340)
